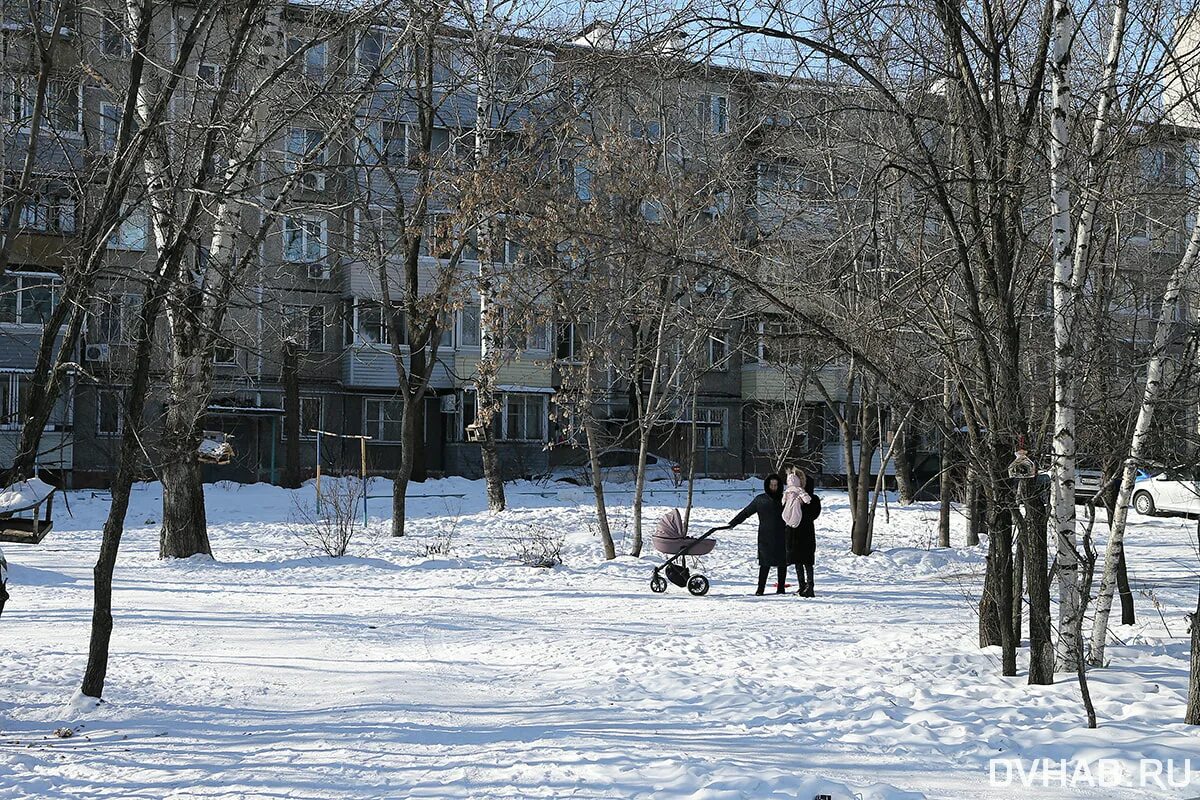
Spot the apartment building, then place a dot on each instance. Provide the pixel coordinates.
(313, 300)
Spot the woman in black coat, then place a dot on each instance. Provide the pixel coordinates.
(802, 540)
(771, 549)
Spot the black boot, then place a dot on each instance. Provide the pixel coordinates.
(779, 589)
(808, 581)
(763, 571)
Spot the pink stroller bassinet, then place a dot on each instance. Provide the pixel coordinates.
(672, 538)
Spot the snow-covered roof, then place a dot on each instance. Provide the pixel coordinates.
(24, 495)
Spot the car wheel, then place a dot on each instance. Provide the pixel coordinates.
(1143, 503)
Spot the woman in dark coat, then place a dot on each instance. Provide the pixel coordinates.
(802, 540)
(771, 549)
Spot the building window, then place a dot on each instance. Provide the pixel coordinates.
(110, 125)
(393, 144)
(649, 131)
(306, 152)
(115, 319)
(113, 42)
(27, 299)
(570, 340)
(311, 416)
(374, 48)
(306, 241)
(109, 418)
(132, 232)
(225, 355)
(304, 326)
(712, 427)
(522, 418)
(522, 334)
(469, 326)
(717, 351)
(368, 324)
(714, 113)
(209, 73)
(583, 182)
(383, 419)
(14, 399)
(313, 59)
(62, 106)
(378, 229)
(45, 212)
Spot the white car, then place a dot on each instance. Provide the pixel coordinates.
(618, 466)
(1169, 493)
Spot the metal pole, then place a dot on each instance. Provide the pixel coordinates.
(362, 443)
(318, 472)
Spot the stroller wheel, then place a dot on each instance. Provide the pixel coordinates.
(698, 585)
(658, 584)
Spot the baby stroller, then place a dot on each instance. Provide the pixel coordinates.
(671, 538)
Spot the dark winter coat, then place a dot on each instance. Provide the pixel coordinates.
(802, 540)
(769, 507)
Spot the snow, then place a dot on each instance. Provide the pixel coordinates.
(406, 671)
(24, 495)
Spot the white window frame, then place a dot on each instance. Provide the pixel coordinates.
(374, 427)
(129, 235)
(309, 66)
(110, 27)
(19, 98)
(502, 416)
(230, 362)
(125, 306)
(109, 112)
(305, 434)
(715, 108)
(313, 150)
(298, 326)
(305, 232)
(460, 335)
(575, 342)
(704, 433)
(20, 288)
(711, 361)
(115, 393)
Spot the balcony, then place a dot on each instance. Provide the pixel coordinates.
(372, 367)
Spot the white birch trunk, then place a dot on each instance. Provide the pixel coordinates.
(1137, 445)
(1065, 396)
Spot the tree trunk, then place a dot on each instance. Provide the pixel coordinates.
(990, 602)
(1000, 529)
(1018, 589)
(420, 467)
(1193, 706)
(291, 416)
(945, 477)
(185, 526)
(903, 459)
(1037, 581)
(639, 490)
(1128, 616)
(409, 433)
(1155, 376)
(977, 523)
(606, 539)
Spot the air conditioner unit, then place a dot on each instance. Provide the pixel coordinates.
(449, 404)
(319, 271)
(96, 352)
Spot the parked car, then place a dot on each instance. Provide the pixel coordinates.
(1169, 492)
(617, 466)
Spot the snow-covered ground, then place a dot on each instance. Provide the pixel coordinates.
(273, 672)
